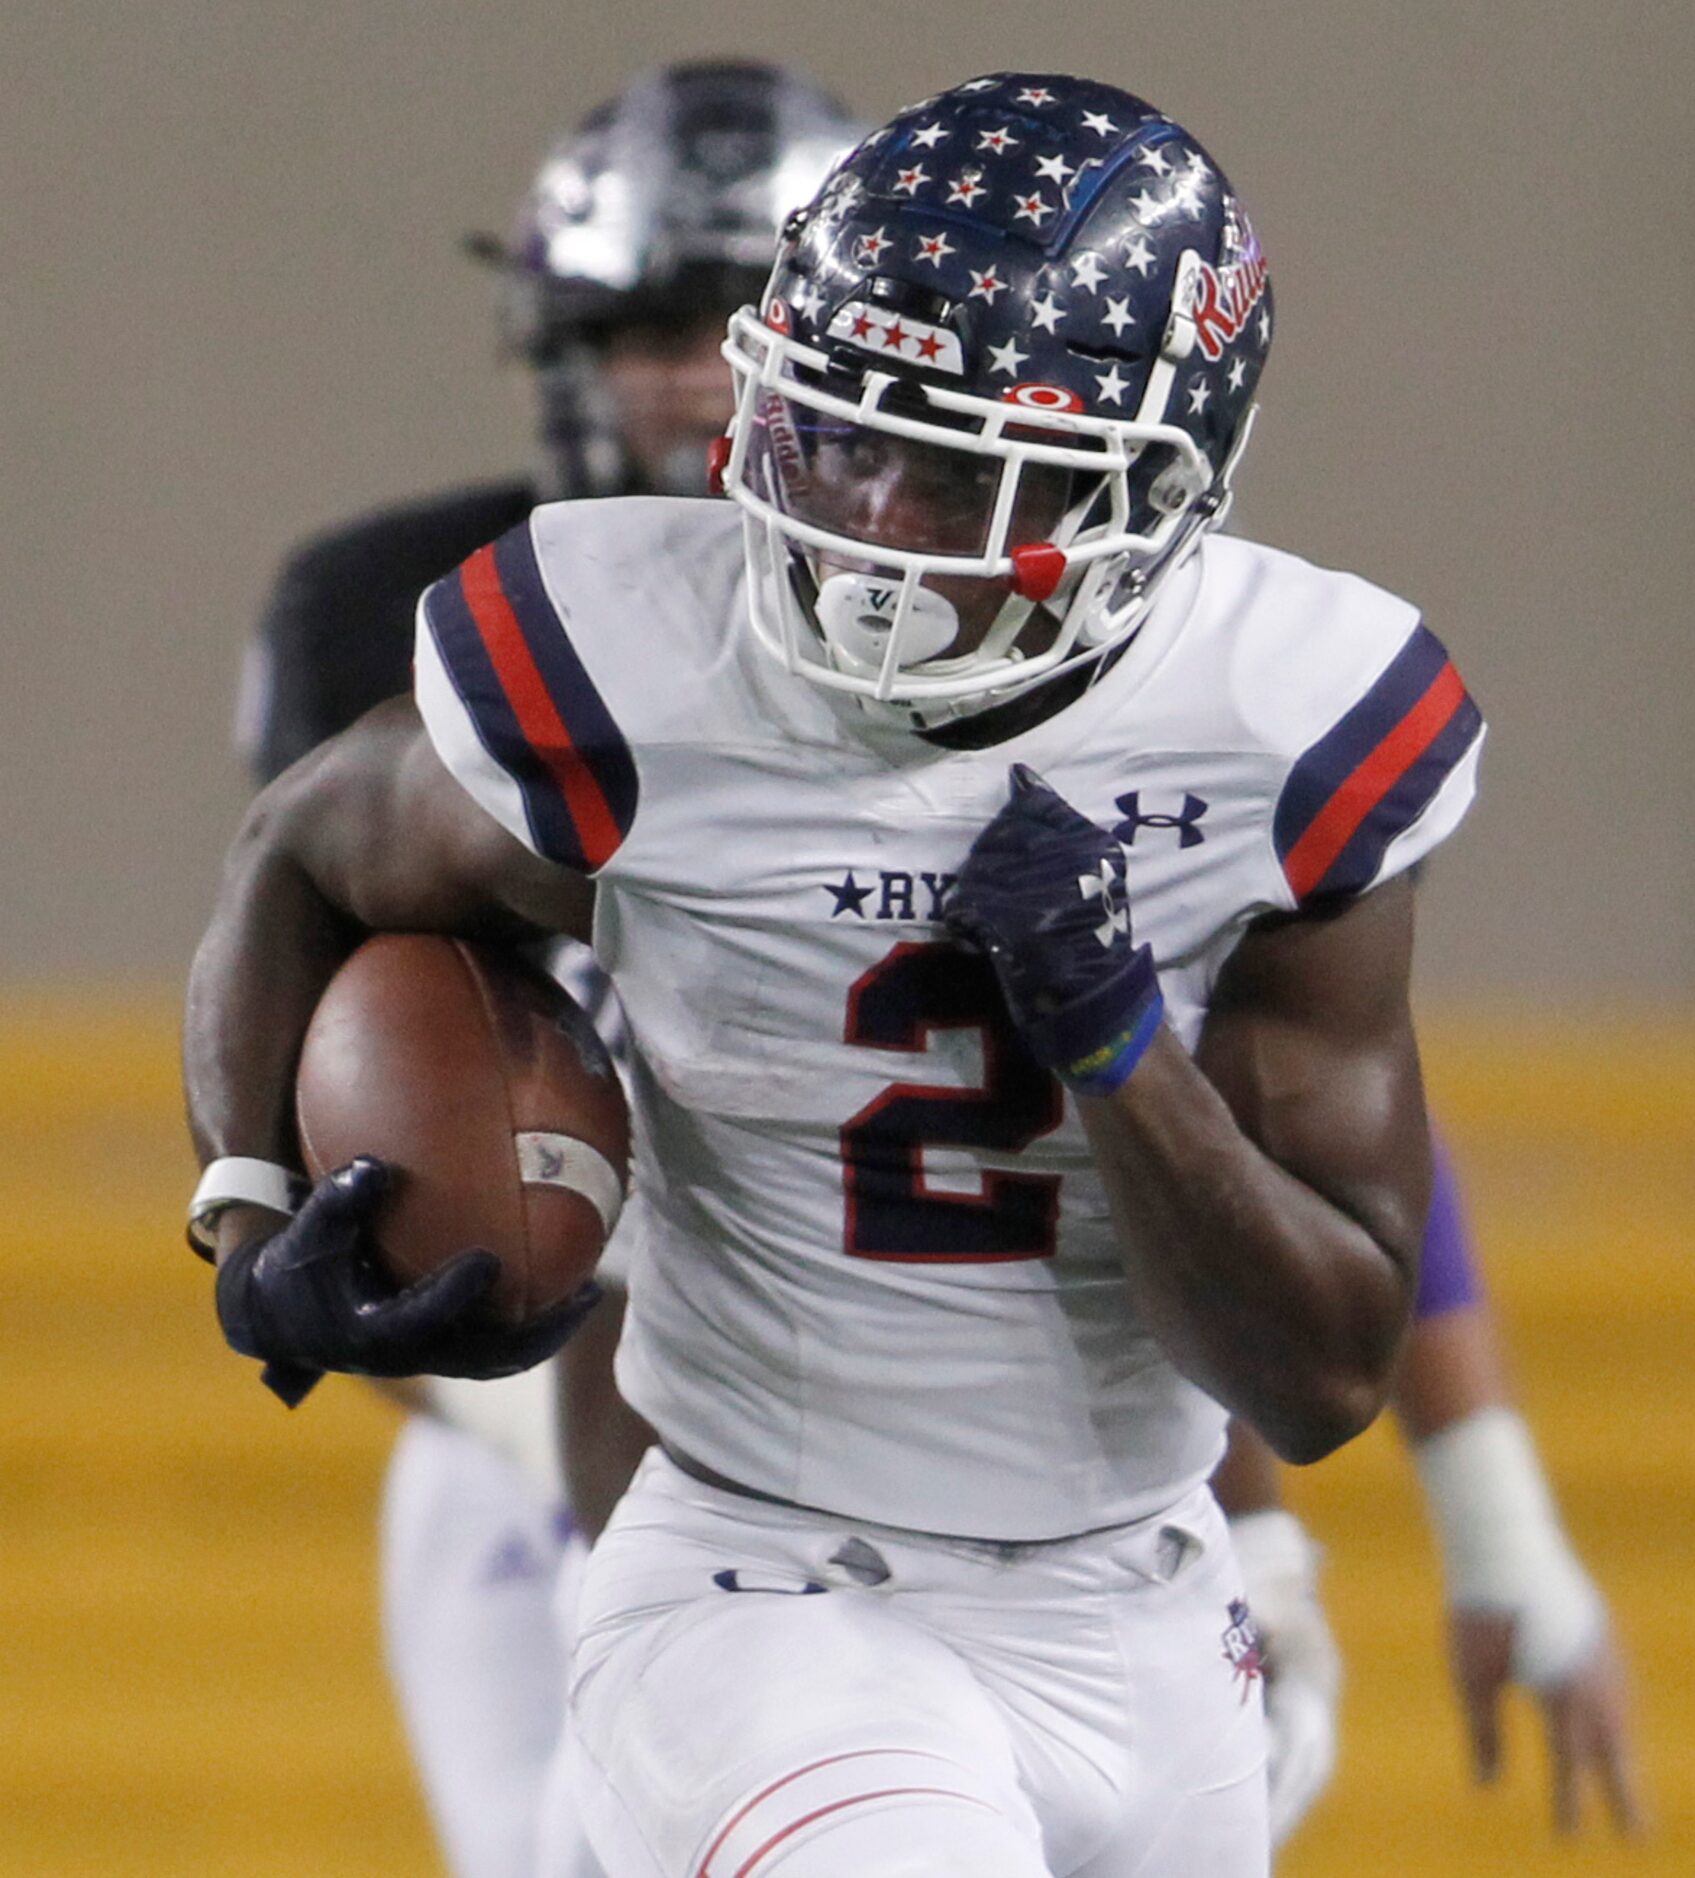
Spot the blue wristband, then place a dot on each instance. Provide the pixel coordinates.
(1109, 1065)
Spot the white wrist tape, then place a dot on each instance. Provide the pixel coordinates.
(239, 1180)
(1503, 1547)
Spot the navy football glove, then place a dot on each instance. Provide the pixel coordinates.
(311, 1297)
(1042, 893)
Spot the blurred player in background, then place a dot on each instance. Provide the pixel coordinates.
(644, 230)
(1521, 1608)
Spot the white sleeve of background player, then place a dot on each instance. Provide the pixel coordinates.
(1385, 782)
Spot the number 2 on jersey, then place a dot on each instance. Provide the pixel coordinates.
(891, 1213)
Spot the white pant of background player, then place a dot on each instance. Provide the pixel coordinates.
(760, 1692)
(480, 1561)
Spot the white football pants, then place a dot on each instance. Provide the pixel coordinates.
(474, 1557)
(759, 1692)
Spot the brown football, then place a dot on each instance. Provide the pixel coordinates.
(485, 1089)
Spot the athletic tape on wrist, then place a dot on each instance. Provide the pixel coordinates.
(240, 1180)
(1503, 1547)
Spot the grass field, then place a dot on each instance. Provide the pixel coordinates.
(189, 1679)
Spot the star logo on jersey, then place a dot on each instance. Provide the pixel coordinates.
(849, 895)
(893, 895)
(1242, 1649)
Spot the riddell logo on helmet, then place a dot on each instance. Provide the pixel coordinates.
(1224, 297)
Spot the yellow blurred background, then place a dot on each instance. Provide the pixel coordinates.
(190, 1678)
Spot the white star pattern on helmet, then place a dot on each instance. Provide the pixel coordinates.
(967, 188)
(1099, 123)
(1111, 387)
(1265, 326)
(1238, 371)
(1106, 886)
(928, 136)
(1198, 167)
(1147, 207)
(1055, 169)
(1087, 271)
(1118, 314)
(1200, 394)
(1187, 197)
(1157, 161)
(932, 248)
(1007, 358)
(980, 84)
(986, 286)
(805, 297)
(999, 141)
(869, 249)
(1034, 94)
(1031, 208)
(1140, 256)
(912, 180)
(1046, 313)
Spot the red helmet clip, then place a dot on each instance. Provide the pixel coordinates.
(1037, 569)
(717, 461)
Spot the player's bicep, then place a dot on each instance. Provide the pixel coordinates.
(1310, 1041)
(391, 838)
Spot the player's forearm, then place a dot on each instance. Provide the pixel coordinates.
(273, 944)
(1270, 1297)
(1453, 1367)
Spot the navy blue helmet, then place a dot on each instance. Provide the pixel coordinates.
(1036, 286)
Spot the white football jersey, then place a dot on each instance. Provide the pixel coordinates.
(875, 1271)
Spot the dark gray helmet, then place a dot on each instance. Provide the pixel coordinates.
(667, 198)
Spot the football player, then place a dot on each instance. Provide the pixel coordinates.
(1005, 878)
(644, 229)
(1522, 1610)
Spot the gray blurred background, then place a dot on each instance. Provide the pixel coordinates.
(232, 310)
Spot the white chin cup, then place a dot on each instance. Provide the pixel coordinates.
(856, 613)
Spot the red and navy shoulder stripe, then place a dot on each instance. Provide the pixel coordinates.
(533, 704)
(1374, 772)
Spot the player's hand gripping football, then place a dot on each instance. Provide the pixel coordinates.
(311, 1297)
(1042, 893)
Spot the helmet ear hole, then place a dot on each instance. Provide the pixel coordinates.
(1175, 487)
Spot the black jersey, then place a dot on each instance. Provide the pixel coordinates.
(335, 636)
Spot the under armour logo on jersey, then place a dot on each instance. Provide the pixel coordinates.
(1185, 822)
(1108, 887)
